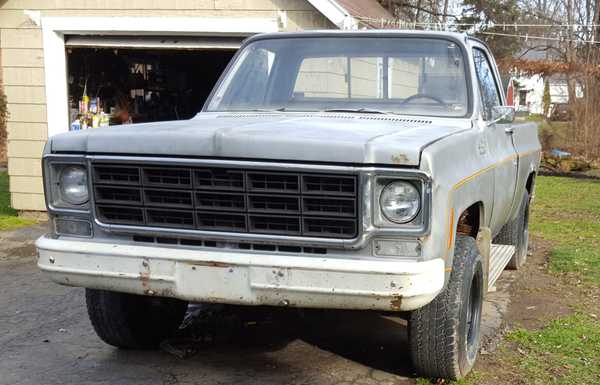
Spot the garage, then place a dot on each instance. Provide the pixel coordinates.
(122, 80)
(121, 56)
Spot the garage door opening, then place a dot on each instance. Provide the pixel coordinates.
(111, 86)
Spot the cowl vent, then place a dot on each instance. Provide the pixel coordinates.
(389, 118)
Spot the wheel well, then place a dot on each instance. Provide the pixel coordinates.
(470, 220)
(530, 183)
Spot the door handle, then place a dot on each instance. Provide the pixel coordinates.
(509, 130)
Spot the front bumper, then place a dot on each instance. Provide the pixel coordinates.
(247, 278)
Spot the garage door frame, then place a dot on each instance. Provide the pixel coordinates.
(54, 30)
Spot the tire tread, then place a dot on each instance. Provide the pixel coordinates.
(433, 335)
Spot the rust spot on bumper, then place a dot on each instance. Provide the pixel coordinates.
(396, 302)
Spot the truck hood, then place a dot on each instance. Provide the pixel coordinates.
(310, 137)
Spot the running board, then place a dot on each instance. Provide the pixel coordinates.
(500, 255)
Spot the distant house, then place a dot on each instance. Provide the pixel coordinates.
(527, 92)
(135, 60)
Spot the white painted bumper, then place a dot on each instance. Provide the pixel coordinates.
(242, 278)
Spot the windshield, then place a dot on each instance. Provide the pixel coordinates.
(413, 76)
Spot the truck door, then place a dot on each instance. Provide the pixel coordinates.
(498, 140)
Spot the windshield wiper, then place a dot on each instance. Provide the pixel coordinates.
(357, 110)
(281, 109)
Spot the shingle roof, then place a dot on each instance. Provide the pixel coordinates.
(370, 9)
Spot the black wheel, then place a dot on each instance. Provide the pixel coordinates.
(444, 335)
(516, 233)
(133, 321)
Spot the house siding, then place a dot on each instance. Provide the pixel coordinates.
(22, 67)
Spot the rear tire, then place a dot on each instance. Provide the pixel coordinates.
(516, 233)
(133, 321)
(444, 335)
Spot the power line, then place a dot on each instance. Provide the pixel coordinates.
(527, 37)
(452, 26)
(387, 22)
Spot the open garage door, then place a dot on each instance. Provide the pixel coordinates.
(119, 79)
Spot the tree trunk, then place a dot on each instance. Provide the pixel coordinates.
(571, 83)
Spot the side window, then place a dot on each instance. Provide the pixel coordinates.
(490, 95)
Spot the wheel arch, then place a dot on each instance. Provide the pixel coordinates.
(470, 219)
(530, 184)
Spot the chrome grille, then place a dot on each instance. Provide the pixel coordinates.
(227, 199)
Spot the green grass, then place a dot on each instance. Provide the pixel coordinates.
(535, 118)
(8, 216)
(567, 212)
(566, 352)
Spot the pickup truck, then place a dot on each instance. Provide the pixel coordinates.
(375, 170)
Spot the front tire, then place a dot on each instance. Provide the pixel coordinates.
(444, 335)
(133, 321)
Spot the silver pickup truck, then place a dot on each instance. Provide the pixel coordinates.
(375, 170)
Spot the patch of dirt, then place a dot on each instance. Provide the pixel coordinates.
(536, 298)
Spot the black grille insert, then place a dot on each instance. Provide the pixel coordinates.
(329, 227)
(170, 218)
(168, 198)
(117, 175)
(120, 215)
(274, 225)
(274, 204)
(274, 182)
(344, 207)
(114, 195)
(221, 222)
(220, 179)
(167, 177)
(220, 201)
(325, 184)
(227, 199)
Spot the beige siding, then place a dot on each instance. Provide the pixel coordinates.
(24, 167)
(15, 76)
(30, 113)
(29, 4)
(288, 5)
(27, 131)
(25, 94)
(25, 148)
(19, 57)
(27, 202)
(26, 184)
(22, 69)
(20, 38)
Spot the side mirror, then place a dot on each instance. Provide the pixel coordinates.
(502, 115)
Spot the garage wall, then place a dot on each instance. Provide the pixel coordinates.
(23, 71)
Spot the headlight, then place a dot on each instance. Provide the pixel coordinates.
(73, 185)
(400, 201)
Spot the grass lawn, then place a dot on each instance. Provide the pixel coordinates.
(567, 212)
(567, 350)
(8, 216)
